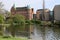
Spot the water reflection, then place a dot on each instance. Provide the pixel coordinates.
(46, 33)
(37, 32)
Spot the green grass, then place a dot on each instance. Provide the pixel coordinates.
(13, 38)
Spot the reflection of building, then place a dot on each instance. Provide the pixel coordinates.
(25, 11)
(40, 14)
(56, 11)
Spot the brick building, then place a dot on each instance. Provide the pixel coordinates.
(25, 11)
(40, 14)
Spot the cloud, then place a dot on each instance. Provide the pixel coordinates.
(36, 4)
(49, 0)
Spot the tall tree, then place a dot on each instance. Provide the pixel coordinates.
(19, 19)
(1, 18)
(1, 5)
(16, 21)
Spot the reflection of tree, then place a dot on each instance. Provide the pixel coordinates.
(16, 29)
(28, 30)
(24, 29)
(1, 22)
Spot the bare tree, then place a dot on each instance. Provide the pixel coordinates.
(1, 5)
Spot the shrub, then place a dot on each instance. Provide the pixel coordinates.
(28, 21)
(6, 36)
(36, 21)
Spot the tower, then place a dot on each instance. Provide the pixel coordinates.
(43, 17)
(13, 9)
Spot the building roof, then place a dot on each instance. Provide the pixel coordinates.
(42, 9)
(56, 6)
(39, 9)
(21, 8)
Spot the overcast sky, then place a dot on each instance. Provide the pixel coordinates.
(36, 4)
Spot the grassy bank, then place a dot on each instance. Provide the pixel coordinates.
(13, 38)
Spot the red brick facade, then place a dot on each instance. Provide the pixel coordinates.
(25, 11)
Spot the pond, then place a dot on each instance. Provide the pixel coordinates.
(37, 32)
(45, 33)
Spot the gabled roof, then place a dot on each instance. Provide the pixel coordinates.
(42, 9)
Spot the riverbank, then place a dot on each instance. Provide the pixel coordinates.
(13, 38)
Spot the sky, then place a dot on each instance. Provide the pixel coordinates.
(36, 4)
